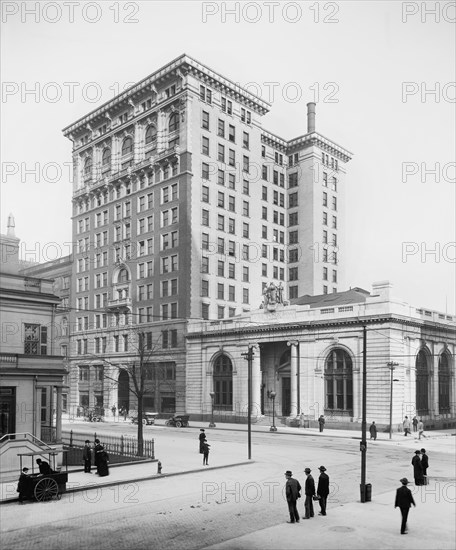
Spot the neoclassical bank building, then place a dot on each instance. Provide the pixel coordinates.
(307, 361)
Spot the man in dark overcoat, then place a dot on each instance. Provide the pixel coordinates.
(404, 499)
(417, 469)
(293, 492)
(309, 489)
(323, 490)
(424, 462)
(202, 440)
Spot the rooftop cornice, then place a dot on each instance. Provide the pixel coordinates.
(274, 141)
(181, 63)
(311, 325)
(321, 141)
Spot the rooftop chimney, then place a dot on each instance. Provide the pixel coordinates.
(310, 118)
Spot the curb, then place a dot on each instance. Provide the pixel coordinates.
(137, 480)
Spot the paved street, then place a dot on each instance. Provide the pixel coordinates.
(243, 506)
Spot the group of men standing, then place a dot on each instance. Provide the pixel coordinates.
(293, 493)
(420, 463)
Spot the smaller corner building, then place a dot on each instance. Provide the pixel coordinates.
(32, 372)
(308, 360)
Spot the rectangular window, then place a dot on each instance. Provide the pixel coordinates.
(204, 288)
(221, 223)
(205, 171)
(205, 120)
(245, 140)
(221, 268)
(334, 203)
(245, 295)
(231, 226)
(221, 128)
(220, 291)
(35, 339)
(245, 208)
(231, 133)
(245, 230)
(205, 218)
(232, 181)
(221, 153)
(264, 213)
(205, 194)
(245, 164)
(231, 271)
(232, 158)
(205, 146)
(325, 199)
(293, 200)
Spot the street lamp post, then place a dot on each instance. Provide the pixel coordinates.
(212, 425)
(391, 365)
(249, 358)
(273, 427)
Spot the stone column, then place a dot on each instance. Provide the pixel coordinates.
(58, 415)
(434, 393)
(293, 379)
(256, 383)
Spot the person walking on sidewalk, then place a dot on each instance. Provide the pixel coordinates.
(292, 492)
(373, 431)
(309, 490)
(87, 457)
(321, 422)
(417, 469)
(206, 453)
(415, 423)
(24, 486)
(404, 499)
(101, 459)
(424, 464)
(420, 429)
(406, 425)
(323, 490)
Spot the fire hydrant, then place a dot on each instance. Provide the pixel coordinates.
(159, 467)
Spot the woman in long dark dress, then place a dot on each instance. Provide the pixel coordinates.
(101, 459)
(202, 440)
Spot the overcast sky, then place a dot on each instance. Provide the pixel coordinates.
(382, 74)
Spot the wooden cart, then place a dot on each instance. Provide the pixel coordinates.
(42, 487)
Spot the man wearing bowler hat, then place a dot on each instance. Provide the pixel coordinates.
(309, 490)
(404, 499)
(323, 490)
(292, 492)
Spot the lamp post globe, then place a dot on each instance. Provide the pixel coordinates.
(272, 395)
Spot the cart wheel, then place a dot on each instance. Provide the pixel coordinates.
(168, 422)
(46, 489)
(178, 424)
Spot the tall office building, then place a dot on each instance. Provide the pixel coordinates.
(184, 207)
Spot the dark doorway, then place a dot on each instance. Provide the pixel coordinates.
(7, 411)
(286, 396)
(123, 391)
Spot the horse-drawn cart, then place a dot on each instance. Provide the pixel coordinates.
(44, 486)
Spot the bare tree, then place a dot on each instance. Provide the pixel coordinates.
(141, 369)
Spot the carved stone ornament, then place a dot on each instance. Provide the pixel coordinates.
(272, 296)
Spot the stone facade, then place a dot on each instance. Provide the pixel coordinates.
(320, 345)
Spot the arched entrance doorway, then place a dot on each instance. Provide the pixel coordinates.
(283, 375)
(123, 391)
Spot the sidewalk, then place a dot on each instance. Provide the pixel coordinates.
(357, 525)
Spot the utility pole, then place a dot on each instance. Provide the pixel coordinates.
(363, 445)
(391, 365)
(249, 357)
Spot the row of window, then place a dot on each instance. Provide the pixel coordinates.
(221, 131)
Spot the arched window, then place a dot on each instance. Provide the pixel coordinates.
(223, 382)
(151, 134)
(127, 146)
(173, 123)
(444, 383)
(123, 276)
(422, 383)
(339, 382)
(106, 157)
(88, 166)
